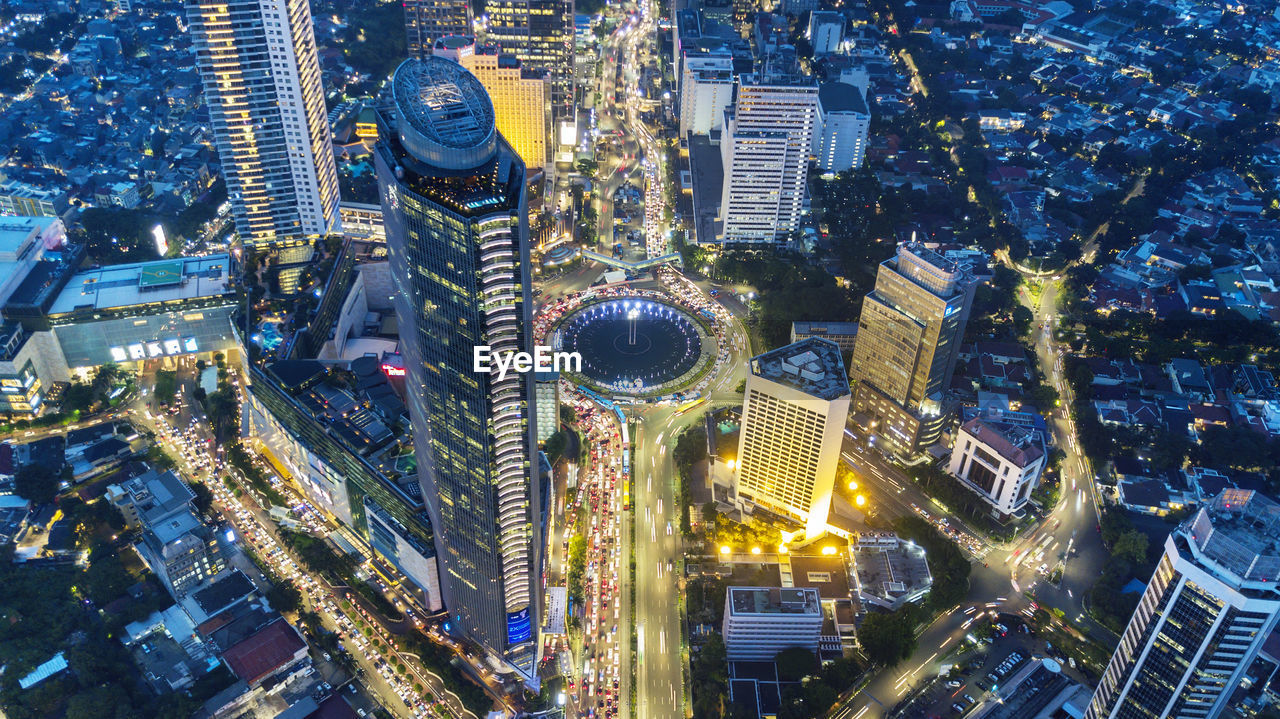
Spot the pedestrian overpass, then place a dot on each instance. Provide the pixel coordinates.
(674, 257)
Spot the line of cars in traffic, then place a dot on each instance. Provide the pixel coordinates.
(599, 492)
(196, 455)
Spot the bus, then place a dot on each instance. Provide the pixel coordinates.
(626, 495)
(688, 407)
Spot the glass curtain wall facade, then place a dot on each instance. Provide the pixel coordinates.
(454, 207)
(1203, 617)
(540, 34)
(261, 74)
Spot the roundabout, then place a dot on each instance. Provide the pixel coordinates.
(636, 345)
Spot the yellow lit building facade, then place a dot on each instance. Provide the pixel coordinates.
(793, 417)
(518, 95)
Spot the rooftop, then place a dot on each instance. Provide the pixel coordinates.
(841, 97)
(146, 283)
(442, 105)
(824, 328)
(1016, 444)
(271, 648)
(774, 600)
(1239, 530)
(813, 366)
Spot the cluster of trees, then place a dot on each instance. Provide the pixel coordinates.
(373, 43)
(222, 408)
(441, 662)
(44, 610)
(1127, 559)
(788, 290)
(241, 461)
(949, 567)
(577, 566)
(939, 484)
(820, 687)
(890, 637)
(691, 448)
(89, 396)
(36, 483)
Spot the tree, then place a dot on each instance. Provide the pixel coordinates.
(36, 482)
(1131, 547)
(795, 664)
(587, 166)
(204, 497)
(889, 638)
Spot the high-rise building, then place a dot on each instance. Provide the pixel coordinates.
(546, 392)
(840, 140)
(426, 21)
(540, 33)
(909, 336)
(793, 417)
(759, 622)
(765, 145)
(1212, 602)
(518, 95)
(261, 74)
(825, 31)
(455, 214)
(706, 89)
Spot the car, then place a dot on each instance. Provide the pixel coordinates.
(968, 698)
(959, 709)
(953, 684)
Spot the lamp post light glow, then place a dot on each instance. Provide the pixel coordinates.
(853, 485)
(860, 500)
(828, 550)
(755, 550)
(724, 549)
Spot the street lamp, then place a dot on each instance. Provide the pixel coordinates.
(853, 485)
(860, 500)
(724, 549)
(755, 550)
(828, 550)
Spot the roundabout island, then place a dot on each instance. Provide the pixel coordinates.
(641, 343)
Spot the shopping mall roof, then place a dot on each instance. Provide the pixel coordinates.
(142, 283)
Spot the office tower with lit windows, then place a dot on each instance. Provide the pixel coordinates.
(518, 95)
(454, 207)
(706, 90)
(793, 417)
(426, 21)
(261, 74)
(767, 136)
(909, 336)
(1212, 602)
(840, 140)
(540, 33)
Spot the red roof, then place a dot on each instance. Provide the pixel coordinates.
(271, 648)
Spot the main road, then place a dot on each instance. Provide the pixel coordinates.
(1068, 538)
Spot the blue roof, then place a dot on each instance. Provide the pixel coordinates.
(44, 671)
(1135, 586)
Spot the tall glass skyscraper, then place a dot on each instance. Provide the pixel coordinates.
(540, 33)
(261, 74)
(908, 340)
(1212, 602)
(426, 21)
(454, 206)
